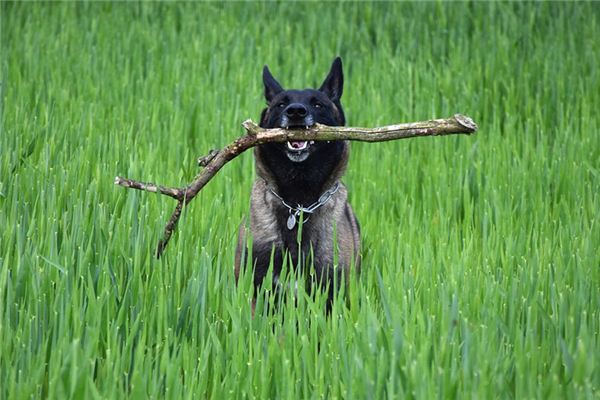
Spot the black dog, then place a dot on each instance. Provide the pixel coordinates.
(299, 183)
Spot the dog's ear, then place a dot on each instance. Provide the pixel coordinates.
(272, 87)
(333, 86)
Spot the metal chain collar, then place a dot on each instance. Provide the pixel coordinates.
(299, 209)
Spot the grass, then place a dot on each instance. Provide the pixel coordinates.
(481, 269)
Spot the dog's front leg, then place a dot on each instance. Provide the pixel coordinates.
(263, 253)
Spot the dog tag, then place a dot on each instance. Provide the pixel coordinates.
(291, 222)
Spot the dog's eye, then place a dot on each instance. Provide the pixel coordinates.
(317, 104)
(281, 105)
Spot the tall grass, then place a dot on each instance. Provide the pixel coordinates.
(481, 269)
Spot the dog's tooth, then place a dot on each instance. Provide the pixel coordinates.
(312, 142)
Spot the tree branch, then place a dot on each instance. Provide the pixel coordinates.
(256, 135)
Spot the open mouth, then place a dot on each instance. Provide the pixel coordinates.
(298, 150)
(298, 145)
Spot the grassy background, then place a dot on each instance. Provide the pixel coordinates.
(481, 254)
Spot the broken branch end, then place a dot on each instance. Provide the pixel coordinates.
(466, 122)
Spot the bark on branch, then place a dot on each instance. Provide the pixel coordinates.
(256, 135)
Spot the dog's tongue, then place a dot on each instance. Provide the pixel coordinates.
(297, 145)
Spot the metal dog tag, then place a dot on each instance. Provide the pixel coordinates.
(291, 222)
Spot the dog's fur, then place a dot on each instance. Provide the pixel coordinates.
(300, 177)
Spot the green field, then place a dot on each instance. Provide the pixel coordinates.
(481, 254)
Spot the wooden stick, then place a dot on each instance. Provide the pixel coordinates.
(216, 159)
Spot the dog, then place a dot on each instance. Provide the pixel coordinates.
(298, 184)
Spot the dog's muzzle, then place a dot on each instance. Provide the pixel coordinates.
(296, 116)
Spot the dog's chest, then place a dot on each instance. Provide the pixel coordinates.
(310, 235)
(310, 239)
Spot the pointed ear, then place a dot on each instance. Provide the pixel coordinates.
(333, 86)
(272, 87)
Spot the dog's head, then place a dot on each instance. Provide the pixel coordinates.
(298, 109)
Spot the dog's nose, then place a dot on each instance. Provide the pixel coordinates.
(296, 110)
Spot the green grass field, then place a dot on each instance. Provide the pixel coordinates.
(481, 255)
